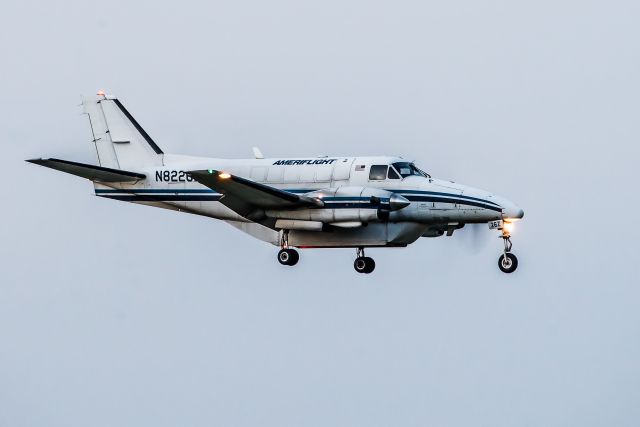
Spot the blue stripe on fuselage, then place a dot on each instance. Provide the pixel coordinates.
(435, 193)
(161, 198)
(452, 200)
(336, 202)
(151, 191)
(419, 192)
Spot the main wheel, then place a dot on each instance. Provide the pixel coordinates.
(508, 262)
(295, 257)
(288, 257)
(364, 265)
(371, 264)
(360, 264)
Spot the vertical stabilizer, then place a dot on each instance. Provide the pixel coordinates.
(121, 142)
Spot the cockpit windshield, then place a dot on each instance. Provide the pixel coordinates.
(406, 169)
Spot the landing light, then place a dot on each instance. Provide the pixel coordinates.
(224, 175)
(508, 226)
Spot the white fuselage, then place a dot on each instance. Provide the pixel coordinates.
(343, 183)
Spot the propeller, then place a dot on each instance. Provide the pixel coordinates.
(474, 237)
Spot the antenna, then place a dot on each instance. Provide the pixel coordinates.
(257, 153)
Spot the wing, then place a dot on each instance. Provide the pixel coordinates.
(91, 172)
(245, 196)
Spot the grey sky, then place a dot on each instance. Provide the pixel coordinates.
(116, 314)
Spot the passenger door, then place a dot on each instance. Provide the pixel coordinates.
(274, 176)
(342, 170)
(258, 173)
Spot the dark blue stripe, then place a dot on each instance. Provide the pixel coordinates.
(162, 198)
(452, 200)
(334, 202)
(133, 121)
(435, 193)
(330, 204)
(302, 190)
(420, 192)
(207, 191)
(365, 204)
(337, 198)
(147, 191)
(347, 205)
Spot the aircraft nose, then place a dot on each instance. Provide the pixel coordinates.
(511, 211)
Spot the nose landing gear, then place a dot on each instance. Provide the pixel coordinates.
(507, 261)
(286, 255)
(363, 264)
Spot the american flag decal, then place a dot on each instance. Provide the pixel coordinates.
(359, 167)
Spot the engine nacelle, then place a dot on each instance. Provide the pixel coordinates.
(346, 205)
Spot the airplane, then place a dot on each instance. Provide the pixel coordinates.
(302, 202)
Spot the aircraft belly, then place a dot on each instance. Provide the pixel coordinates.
(374, 234)
(258, 231)
(161, 205)
(405, 232)
(219, 211)
(326, 215)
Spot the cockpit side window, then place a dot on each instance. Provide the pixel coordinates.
(378, 172)
(392, 174)
(407, 169)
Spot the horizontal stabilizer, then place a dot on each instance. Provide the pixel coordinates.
(91, 172)
(243, 195)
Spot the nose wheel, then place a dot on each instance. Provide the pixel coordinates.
(287, 255)
(363, 264)
(508, 262)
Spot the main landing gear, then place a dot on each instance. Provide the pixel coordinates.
(287, 256)
(507, 261)
(363, 264)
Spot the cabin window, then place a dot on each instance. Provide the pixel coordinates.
(378, 172)
(392, 174)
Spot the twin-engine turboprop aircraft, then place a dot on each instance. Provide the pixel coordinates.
(324, 202)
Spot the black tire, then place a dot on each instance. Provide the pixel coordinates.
(288, 257)
(371, 265)
(360, 264)
(508, 263)
(295, 257)
(364, 265)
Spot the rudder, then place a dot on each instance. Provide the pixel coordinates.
(121, 143)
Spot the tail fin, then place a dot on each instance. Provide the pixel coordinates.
(120, 141)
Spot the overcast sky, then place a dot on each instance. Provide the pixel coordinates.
(113, 314)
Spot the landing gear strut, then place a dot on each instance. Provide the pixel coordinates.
(363, 264)
(286, 255)
(507, 261)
